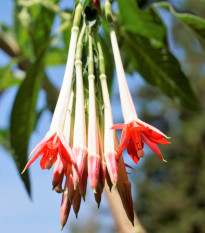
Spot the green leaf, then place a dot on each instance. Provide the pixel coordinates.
(41, 30)
(21, 23)
(4, 139)
(196, 23)
(56, 56)
(23, 117)
(159, 67)
(143, 22)
(23, 113)
(7, 78)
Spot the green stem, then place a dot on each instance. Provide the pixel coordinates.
(90, 64)
(80, 43)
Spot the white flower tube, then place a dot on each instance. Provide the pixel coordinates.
(128, 108)
(63, 99)
(109, 134)
(93, 141)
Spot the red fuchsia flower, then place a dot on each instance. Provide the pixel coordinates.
(135, 132)
(54, 142)
(49, 148)
(134, 135)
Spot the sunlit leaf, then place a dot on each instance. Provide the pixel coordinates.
(144, 22)
(196, 23)
(56, 56)
(159, 67)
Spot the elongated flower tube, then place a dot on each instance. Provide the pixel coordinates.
(93, 143)
(79, 141)
(54, 142)
(109, 134)
(135, 132)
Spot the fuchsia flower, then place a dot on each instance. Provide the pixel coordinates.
(54, 142)
(49, 148)
(134, 135)
(135, 132)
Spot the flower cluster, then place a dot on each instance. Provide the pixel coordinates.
(82, 142)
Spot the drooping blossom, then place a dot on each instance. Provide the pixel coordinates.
(49, 148)
(135, 132)
(54, 142)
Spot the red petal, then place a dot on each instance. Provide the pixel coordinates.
(150, 127)
(158, 140)
(34, 157)
(42, 143)
(119, 126)
(44, 159)
(65, 150)
(152, 146)
(124, 138)
(132, 151)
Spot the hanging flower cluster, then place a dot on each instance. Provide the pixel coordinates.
(82, 142)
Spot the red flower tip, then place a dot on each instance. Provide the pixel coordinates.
(134, 135)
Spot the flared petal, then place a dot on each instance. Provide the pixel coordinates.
(119, 126)
(151, 127)
(34, 157)
(124, 138)
(66, 151)
(152, 146)
(158, 139)
(41, 144)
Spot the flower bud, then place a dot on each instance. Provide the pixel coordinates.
(76, 202)
(65, 208)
